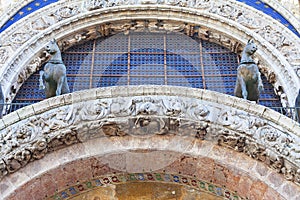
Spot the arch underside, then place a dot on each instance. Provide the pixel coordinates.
(102, 166)
(258, 157)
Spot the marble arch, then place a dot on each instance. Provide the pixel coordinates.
(230, 24)
(266, 143)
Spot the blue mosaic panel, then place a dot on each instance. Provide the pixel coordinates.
(103, 63)
(267, 9)
(26, 10)
(257, 4)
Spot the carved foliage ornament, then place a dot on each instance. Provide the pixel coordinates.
(231, 11)
(243, 16)
(32, 138)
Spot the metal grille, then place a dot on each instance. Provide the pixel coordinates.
(140, 58)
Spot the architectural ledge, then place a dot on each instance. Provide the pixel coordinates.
(30, 133)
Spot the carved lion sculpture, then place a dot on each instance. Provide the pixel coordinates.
(53, 79)
(248, 83)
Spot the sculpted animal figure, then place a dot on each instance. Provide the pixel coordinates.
(1, 102)
(53, 79)
(297, 106)
(248, 83)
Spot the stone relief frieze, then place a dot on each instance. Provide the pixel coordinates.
(66, 12)
(43, 22)
(95, 4)
(32, 67)
(143, 116)
(201, 4)
(241, 121)
(225, 10)
(20, 38)
(246, 19)
(276, 38)
(4, 54)
(223, 40)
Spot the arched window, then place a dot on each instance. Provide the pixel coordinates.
(156, 58)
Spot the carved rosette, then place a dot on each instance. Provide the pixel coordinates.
(146, 116)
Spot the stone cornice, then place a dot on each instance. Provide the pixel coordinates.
(31, 132)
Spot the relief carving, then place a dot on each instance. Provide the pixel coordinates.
(276, 38)
(146, 106)
(198, 111)
(95, 4)
(255, 151)
(39, 149)
(248, 20)
(233, 141)
(112, 129)
(274, 161)
(146, 125)
(223, 40)
(121, 107)
(43, 22)
(268, 73)
(241, 121)
(296, 178)
(78, 37)
(20, 38)
(66, 12)
(147, 1)
(201, 4)
(34, 137)
(3, 55)
(225, 10)
(174, 107)
(3, 169)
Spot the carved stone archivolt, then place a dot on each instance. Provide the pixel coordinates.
(236, 24)
(60, 125)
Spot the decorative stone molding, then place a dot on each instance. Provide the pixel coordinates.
(230, 24)
(11, 8)
(265, 135)
(288, 9)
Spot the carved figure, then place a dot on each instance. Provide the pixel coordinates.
(248, 83)
(53, 79)
(297, 106)
(1, 102)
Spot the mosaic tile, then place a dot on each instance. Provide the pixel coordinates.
(115, 179)
(259, 5)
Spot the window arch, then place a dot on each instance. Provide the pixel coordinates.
(157, 58)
